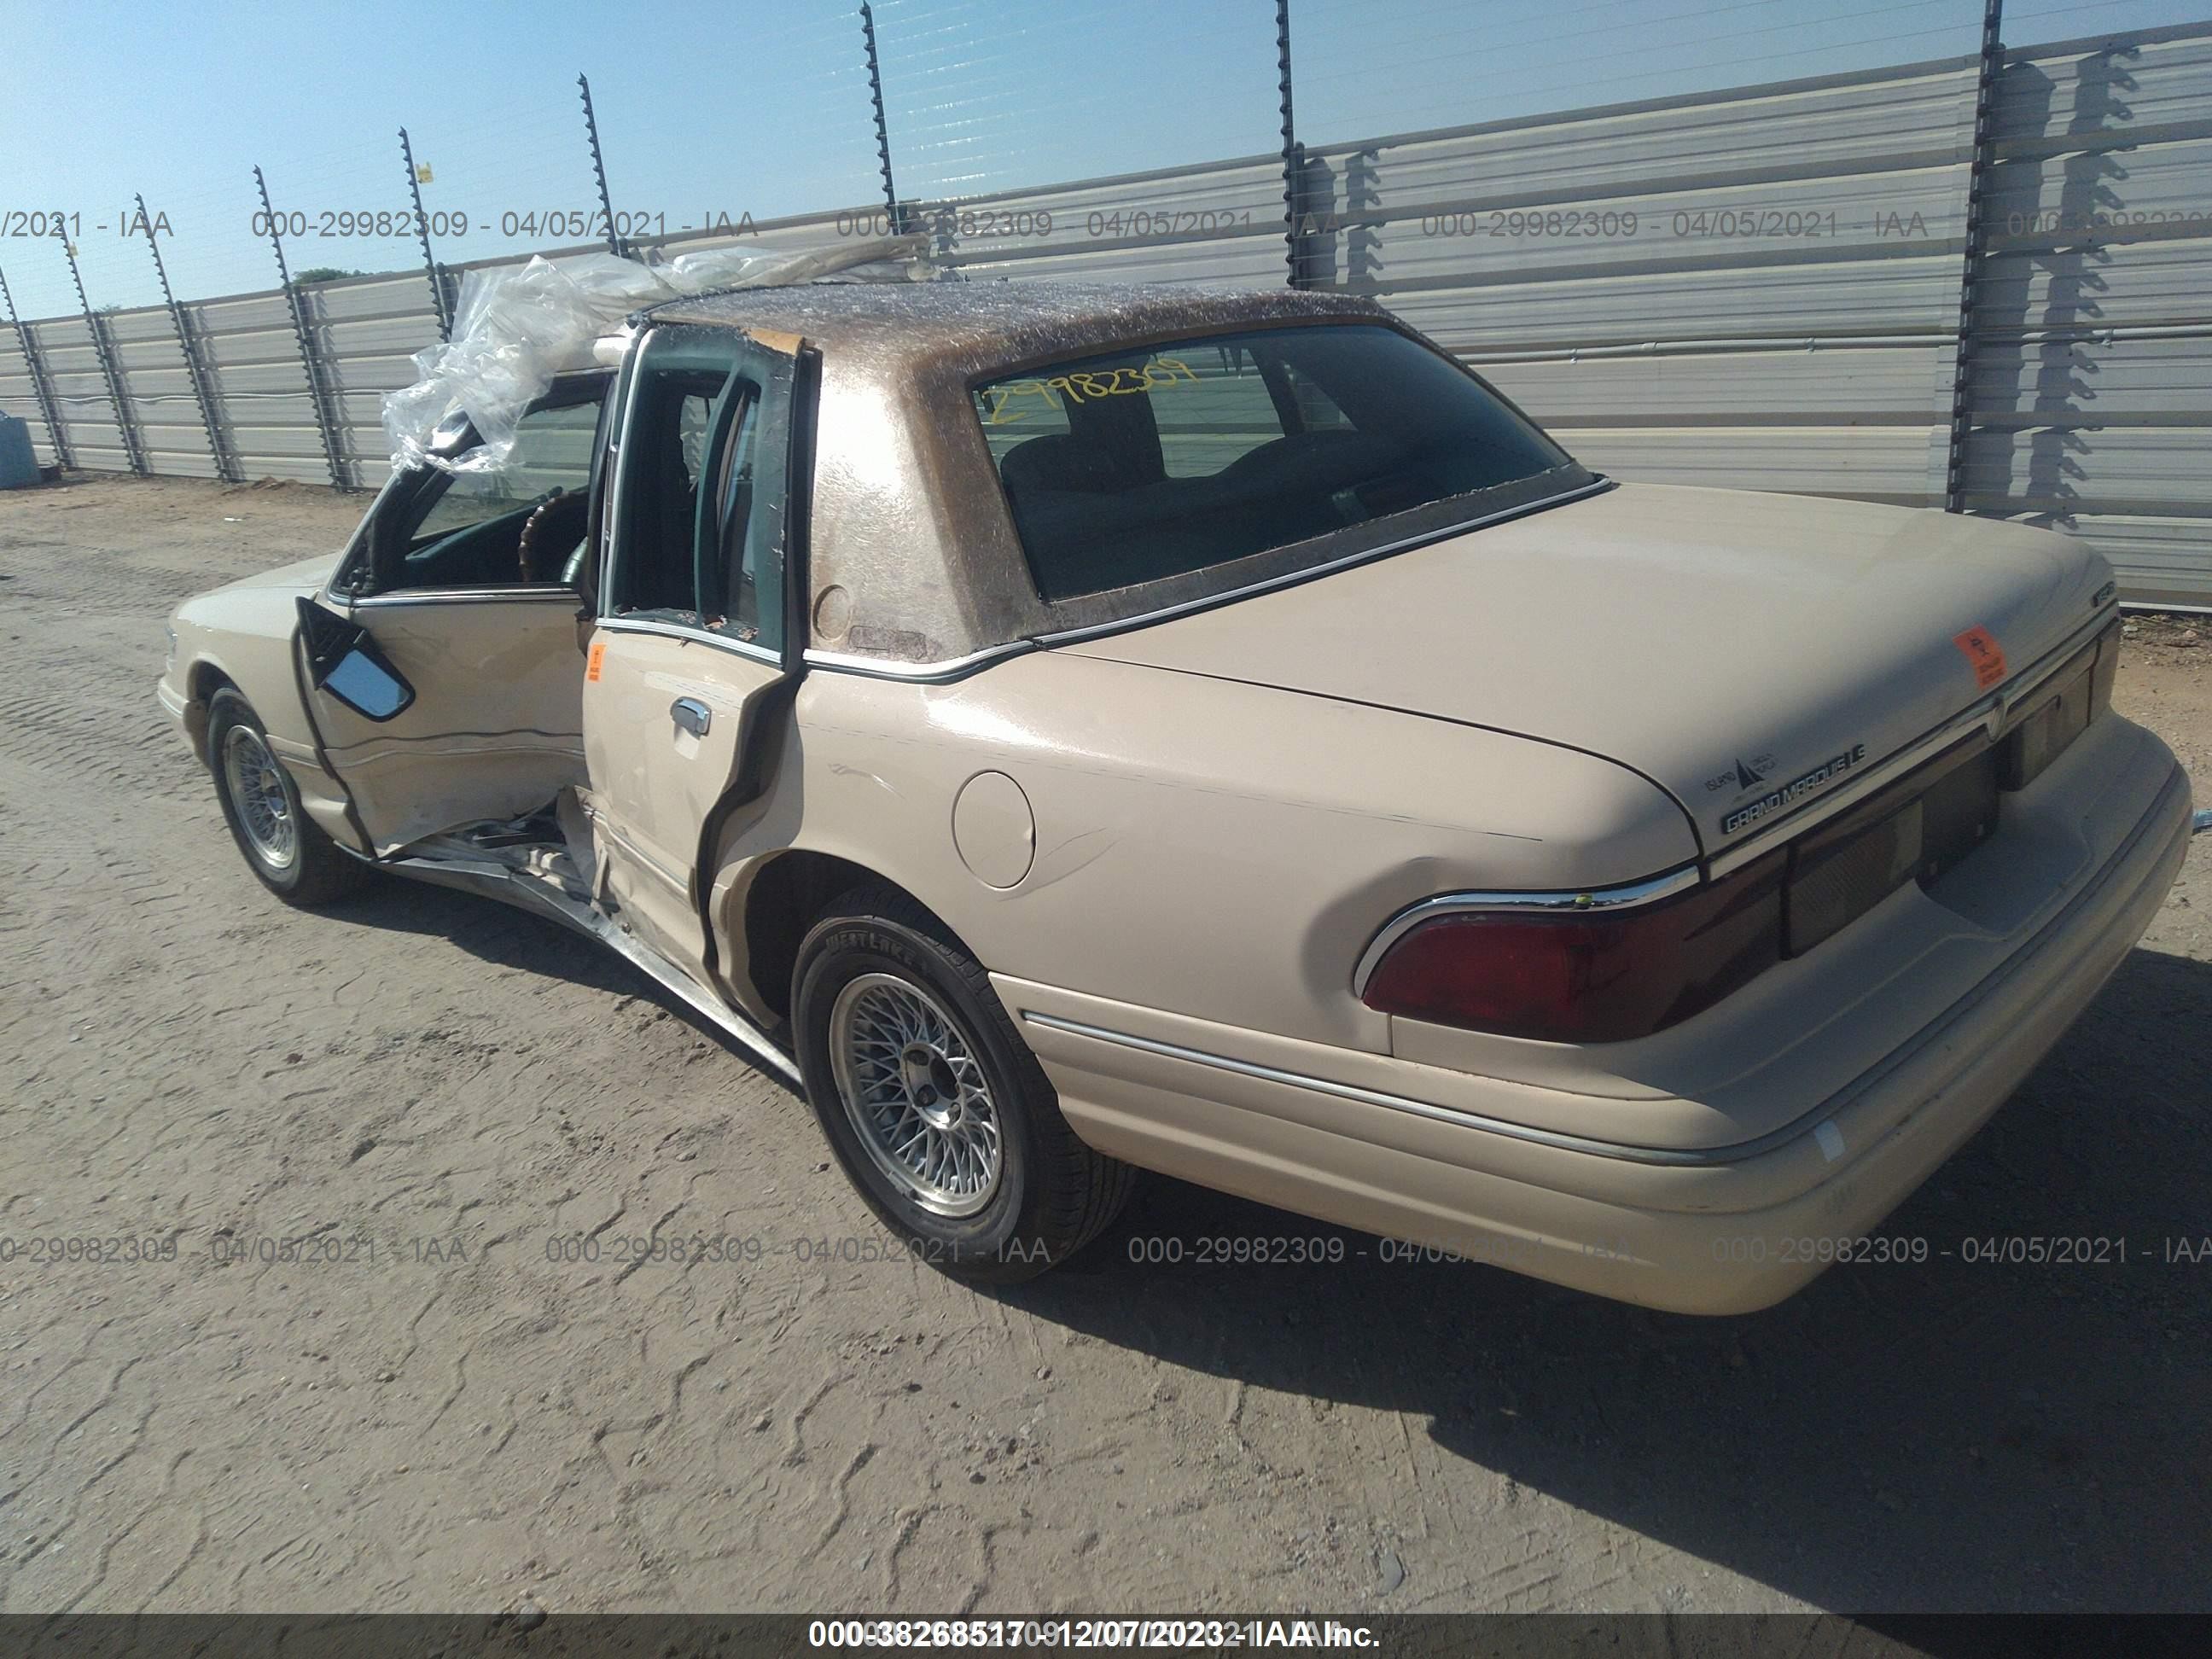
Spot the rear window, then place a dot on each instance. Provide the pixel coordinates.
(1141, 466)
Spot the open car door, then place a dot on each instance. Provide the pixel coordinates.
(698, 640)
(443, 668)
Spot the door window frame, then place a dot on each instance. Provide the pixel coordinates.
(404, 490)
(796, 422)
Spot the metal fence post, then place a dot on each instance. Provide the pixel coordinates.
(100, 348)
(1294, 154)
(307, 359)
(615, 242)
(41, 387)
(422, 228)
(883, 130)
(1962, 374)
(194, 369)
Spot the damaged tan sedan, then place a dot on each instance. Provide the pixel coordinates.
(1068, 731)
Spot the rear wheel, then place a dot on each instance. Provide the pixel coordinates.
(282, 846)
(933, 1104)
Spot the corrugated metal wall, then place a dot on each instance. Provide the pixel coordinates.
(171, 436)
(1757, 289)
(1222, 223)
(80, 391)
(2093, 351)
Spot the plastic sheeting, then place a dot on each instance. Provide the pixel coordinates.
(517, 329)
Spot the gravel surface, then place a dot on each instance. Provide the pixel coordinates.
(460, 1423)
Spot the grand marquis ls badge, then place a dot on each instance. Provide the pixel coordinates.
(1797, 789)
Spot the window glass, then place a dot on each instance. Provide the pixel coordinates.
(752, 538)
(703, 458)
(664, 457)
(1316, 410)
(1147, 465)
(552, 450)
(1219, 409)
(522, 523)
(1014, 411)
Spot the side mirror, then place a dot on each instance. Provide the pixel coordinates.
(368, 684)
(344, 660)
(453, 434)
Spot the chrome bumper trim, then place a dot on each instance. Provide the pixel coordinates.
(1402, 1103)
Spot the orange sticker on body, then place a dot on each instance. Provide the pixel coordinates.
(591, 663)
(1981, 648)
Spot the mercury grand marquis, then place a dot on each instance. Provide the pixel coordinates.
(1066, 731)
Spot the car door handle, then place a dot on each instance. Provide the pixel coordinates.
(691, 714)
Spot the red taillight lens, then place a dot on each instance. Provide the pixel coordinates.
(1595, 976)
(2071, 701)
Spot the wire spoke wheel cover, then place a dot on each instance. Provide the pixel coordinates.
(257, 791)
(916, 1094)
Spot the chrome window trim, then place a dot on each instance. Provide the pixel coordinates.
(1649, 891)
(1990, 714)
(619, 623)
(1329, 567)
(626, 624)
(407, 596)
(952, 668)
(892, 668)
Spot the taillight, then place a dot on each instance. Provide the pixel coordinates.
(2067, 706)
(1595, 975)
(1601, 971)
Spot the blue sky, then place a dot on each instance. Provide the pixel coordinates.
(735, 108)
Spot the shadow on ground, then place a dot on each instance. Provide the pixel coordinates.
(507, 936)
(1961, 1435)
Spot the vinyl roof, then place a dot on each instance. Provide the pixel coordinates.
(981, 321)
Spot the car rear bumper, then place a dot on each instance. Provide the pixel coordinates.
(1716, 1229)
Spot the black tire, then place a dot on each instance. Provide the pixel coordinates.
(1053, 1193)
(315, 870)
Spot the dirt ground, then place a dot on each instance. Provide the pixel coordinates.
(461, 1423)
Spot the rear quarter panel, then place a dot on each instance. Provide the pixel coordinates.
(1217, 850)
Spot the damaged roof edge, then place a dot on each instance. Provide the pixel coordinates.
(900, 256)
(990, 324)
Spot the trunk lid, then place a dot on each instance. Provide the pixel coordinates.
(1731, 647)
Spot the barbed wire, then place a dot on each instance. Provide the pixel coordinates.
(978, 100)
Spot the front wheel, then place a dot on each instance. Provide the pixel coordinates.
(282, 846)
(933, 1104)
